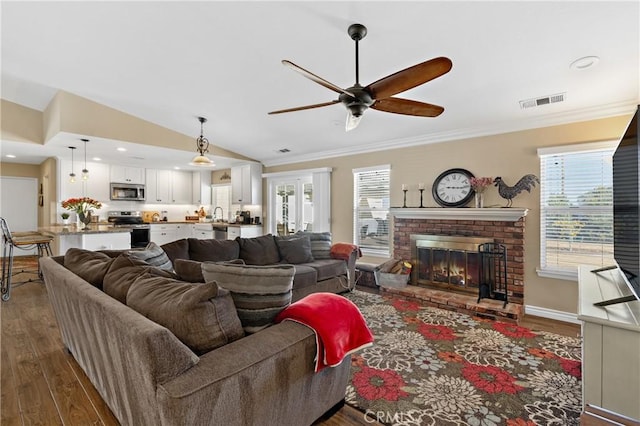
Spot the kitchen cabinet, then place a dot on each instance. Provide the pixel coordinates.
(99, 241)
(203, 231)
(163, 233)
(158, 186)
(243, 232)
(181, 187)
(184, 230)
(246, 184)
(201, 182)
(123, 174)
(168, 187)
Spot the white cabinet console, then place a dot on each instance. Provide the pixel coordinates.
(611, 344)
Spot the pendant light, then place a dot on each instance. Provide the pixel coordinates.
(202, 146)
(72, 176)
(85, 172)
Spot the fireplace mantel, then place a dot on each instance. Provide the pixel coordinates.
(510, 214)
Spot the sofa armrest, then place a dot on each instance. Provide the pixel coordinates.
(351, 269)
(256, 380)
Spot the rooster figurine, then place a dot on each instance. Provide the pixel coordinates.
(509, 192)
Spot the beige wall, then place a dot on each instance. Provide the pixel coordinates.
(19, 123)
(509, 155)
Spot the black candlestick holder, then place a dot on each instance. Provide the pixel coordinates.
(421, 191)
(404, 204)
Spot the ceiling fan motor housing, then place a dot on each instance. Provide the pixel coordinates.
(359, 102)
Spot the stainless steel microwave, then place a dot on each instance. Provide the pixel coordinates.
(126, 191)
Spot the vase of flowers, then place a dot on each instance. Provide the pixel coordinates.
(83, 208)
(479, 185)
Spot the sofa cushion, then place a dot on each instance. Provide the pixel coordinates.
(213, 250)
(89, 265)
(295, 250)
(320, 243)
(154, 255)
(259, 250)
(123, 272)
(178, 249)
(259, 292)
(202, 316)
(304, 276)
(328, 268)
(188, 270)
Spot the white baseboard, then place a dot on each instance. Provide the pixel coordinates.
(551, 314)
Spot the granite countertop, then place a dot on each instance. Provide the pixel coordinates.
(72, 229)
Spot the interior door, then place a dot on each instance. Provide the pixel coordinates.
(19, 206)
(292, 207)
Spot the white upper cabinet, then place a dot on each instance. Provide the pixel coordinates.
(169, 187)
(158, 186)
(201, 188)
(96, 187)
(123, 174)
(246, 184)
(181, 187)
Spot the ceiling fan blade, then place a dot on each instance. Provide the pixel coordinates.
(407, 107)
(311, 76)
(409, 78)
(305, 107)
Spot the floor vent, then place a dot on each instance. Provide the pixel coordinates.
(545, 100)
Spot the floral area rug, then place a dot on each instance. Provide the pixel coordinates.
(435, 367)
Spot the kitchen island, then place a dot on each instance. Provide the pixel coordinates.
(97, 237)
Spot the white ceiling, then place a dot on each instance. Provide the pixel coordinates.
(169, 62)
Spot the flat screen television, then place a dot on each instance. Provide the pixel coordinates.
(626, 212)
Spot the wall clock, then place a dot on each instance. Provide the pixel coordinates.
(452, 188)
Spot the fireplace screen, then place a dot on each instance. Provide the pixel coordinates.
(450, 262)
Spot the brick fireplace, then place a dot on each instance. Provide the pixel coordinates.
(504, 226)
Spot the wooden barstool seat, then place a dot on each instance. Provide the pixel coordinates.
(24, 241)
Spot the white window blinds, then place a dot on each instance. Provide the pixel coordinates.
(576, 208)
(371, 209)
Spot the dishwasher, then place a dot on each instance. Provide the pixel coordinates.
(220, 232)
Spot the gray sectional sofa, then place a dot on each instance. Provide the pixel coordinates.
(162, 350)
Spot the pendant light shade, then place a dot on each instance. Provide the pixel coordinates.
(85, 172)
(72, 176)
(202, 146)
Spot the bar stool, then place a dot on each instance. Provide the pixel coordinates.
(23, 241)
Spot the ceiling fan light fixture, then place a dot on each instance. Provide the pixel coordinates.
(202, 146)
(352, 120)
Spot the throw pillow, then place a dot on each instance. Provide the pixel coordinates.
(154, 255)
(123, 272)
(259, 292)
(213, 250)
(320, 243)
(191, 270)
(295, 250)
(89, 265)
(202, 316)
(178, 249)
(259, 250)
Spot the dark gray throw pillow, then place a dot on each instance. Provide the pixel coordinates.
(213, 250)
(259, 250)
(154, 255)
(89, 265)
(295, 250)
(320, 243)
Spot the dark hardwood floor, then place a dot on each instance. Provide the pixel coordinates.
(42, 384)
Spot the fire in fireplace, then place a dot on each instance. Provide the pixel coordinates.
(448, 262)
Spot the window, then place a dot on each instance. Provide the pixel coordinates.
(221, 197)
(576, 208)
(371, 209)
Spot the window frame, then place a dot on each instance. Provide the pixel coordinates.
(567, 272)
(357, 209)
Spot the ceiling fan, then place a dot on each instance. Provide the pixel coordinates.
(379, 94)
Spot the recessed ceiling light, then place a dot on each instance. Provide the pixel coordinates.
(584, 63)
(176, 168)
(122, 149)
(97, 159)
(11, 156)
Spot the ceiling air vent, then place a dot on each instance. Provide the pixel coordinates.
(284, 150)
(545, 100)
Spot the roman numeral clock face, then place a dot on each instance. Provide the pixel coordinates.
(453, 188)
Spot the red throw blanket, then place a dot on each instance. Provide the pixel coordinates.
(338, 324)
(344, 250)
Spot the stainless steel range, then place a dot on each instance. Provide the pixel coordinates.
(140, 231)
